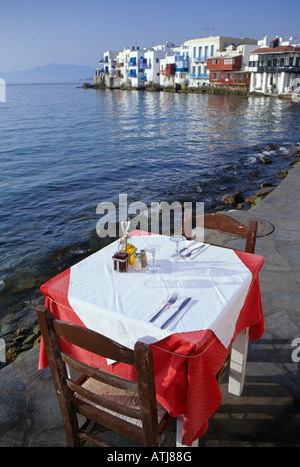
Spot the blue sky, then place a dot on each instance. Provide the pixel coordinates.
(38, 32)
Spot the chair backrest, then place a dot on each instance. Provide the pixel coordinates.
(222, 223)
(70, 393)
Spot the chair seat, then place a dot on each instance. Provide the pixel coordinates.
(119, 396)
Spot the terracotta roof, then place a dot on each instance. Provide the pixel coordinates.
(279, 49)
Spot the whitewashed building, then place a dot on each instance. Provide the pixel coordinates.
(204, 48)
(134, 67)
(106, 69)
(274, 66)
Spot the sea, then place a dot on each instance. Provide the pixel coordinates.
(65, 149)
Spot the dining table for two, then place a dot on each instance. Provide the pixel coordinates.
(216, 307)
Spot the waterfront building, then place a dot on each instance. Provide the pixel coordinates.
(182, 66)
(106, 69)
(152, 62)
(167, 71)
(204, 48)
(231, 66)
(133, 67)
(274, 66)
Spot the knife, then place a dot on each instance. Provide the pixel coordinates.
(184, 303)
(186, 247)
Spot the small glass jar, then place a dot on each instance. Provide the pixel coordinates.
(144, 258)
(137, 261)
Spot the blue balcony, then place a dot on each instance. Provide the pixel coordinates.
(181, 69)
(178, 58)
(199, 75)
(200, 59)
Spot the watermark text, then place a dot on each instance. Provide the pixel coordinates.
(161, 217)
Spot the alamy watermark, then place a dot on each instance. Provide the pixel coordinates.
(2, 90)
(296, 90)
(296, 352)
(160, 217)
(2, 351)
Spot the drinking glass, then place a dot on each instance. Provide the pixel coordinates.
(177, 239)
(154, 272)
(153, 267)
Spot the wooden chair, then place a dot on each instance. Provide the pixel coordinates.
(223, 223)
(226, 224)
(128, 407)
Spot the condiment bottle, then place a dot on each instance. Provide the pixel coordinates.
(137, 262)
(144, 258)
(120, 258)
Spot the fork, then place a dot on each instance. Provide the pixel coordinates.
(171, 300)
(188, 255)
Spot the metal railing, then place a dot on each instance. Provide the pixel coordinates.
(278, 69)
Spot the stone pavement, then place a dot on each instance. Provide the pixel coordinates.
(267, 414)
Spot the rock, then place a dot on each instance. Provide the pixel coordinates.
(233, 199)
(265, 159)
(22, 331)
(36, 330)
(30, 339)
(282, 173)
(265, 185)
(12, 353)
(272, 147)
(253, 200)
(295, 152)
(6, 329)
(264, 191)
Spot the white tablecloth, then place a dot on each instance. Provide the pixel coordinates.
(120, 305)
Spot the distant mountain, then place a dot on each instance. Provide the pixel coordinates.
(52, 73)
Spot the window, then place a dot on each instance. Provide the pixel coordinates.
(194, 52)
(212, 50)
(228, 61)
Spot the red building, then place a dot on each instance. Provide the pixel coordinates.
(169, 69)
(227, 70)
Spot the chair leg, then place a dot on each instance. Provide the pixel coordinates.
(179, 427)
(238, 362)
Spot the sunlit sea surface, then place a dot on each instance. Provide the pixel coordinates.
(64, 150)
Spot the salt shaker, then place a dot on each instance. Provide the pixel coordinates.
(143, 258)
(137, 261)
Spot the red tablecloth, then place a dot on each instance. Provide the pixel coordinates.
(185, 364)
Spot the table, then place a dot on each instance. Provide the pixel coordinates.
(225, 309)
